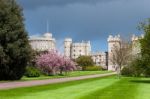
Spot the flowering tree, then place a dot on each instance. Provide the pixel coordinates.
(53, 62)
(68, 65)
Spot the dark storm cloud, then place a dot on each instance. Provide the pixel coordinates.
(85, 19)
(31, 4)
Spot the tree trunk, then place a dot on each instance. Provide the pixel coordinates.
(52, 72)
(119, 72)
(61, 71)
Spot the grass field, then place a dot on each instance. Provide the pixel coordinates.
(70, 74)
(96, 88)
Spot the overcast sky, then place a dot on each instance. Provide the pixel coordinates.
(81, 20)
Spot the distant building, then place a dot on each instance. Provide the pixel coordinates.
(74, 50)
(100, 59)
(42, 43)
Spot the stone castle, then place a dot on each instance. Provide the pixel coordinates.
(76, 49)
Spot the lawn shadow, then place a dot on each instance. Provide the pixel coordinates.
(141, 81)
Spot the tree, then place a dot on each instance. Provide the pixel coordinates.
(141, 64)
(145, 46)
(84, 61)
(14, 46)
(68, 65)
(53, 62)
(121, 54)
(134, 68)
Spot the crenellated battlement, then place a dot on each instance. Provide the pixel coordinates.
(115, 38)
(68, 39)
(135, 38)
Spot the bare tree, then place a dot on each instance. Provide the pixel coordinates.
(121, 55)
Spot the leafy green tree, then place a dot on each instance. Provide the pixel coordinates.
(14, 45)
(84, 61)
(145, 42)
(145, 47)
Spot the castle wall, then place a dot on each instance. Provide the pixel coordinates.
(74, 50)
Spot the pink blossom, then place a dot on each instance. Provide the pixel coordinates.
(53, 62)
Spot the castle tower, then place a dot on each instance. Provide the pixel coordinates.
(88, 48)
(112, 42)
(67, 47)
(136, 44)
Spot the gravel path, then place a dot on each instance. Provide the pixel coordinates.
(17, 84)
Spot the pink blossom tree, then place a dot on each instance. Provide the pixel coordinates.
(68, 65)
(53, 62)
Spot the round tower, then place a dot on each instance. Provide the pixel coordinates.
(67, 47)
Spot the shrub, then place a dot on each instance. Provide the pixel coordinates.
(126, 71)
(93, 68)
(146, 66)
(135, 68)
(32, 72)
(79, 68)
(84, 61)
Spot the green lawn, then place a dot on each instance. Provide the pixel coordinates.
(126, 88)
(96, 88)
(70, 74)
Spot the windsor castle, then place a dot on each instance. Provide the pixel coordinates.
(76, 49)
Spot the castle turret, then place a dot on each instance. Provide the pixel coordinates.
(88, 48)
(67, 45)
(113, 41)
(136, 44)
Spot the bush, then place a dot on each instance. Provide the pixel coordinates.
(79, 68)
(84, 61)
(135, 68)
(32, 72)
(93, 68)
(146, 66)
(146, 70)
(126, 71)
